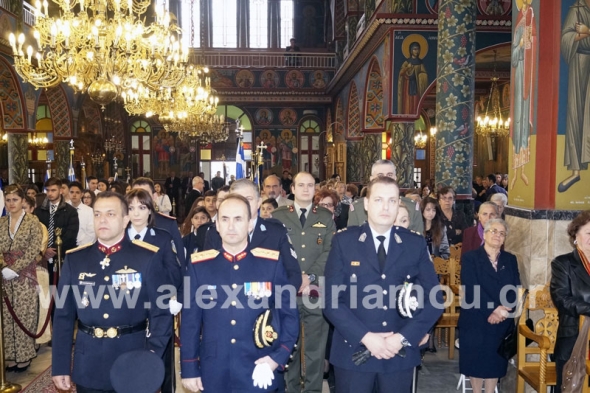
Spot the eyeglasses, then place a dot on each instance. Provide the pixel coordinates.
(327, 205)
(497, 232)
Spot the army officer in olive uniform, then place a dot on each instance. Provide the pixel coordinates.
(311, 229)
(233, 291)
(110, 287)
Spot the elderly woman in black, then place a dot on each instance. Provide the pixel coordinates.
(490, 277)
(570, 289)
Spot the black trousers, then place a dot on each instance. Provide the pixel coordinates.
(348, 381)
(169, 384)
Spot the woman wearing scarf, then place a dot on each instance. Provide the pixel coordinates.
(473, 236)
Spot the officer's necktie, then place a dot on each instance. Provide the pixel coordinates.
(381, 255)
(51, 228)
(302, 217)
(138, 236)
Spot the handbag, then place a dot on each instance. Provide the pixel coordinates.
(509, 344)
(574, 370)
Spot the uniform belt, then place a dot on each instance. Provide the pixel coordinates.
(111, 332)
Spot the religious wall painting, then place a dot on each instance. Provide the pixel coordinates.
(269, 79)
(294, 79)
(400, 6)
(573, 139)
(494, 7)
(270, 155)
(12, 111)
(385, 76)
(354, 116)
(221, 78)
(414, 69)
(374, 98)
(505, 95)
(317, 79)
(263, 116)
(281, 149)
(288, 116)
(245, 79)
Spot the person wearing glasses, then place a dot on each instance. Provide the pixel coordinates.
(88, 198)
(490, 277)
(453, 219)
(329, 199)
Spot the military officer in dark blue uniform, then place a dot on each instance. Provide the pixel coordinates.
(230, 289)
(270, 234)
(111, 288)
(366, 266)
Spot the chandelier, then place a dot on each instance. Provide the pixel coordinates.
(492, 124)
(206, 127)
(102, 47)
(38, 142)
(420, 140)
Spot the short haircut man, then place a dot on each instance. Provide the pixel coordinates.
(145, 183)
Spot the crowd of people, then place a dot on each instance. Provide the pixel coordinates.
(223, 262)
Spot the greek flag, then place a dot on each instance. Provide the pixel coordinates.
(240, 162)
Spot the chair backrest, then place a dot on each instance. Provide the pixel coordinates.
(456, 251)
(539, 299)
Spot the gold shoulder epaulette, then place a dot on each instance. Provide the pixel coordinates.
(342, 230)
(79, 248)
(204, 256)
(417, 233)
(265, 253)
(146, 245)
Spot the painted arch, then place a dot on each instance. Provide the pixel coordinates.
(354, 115)
(374, 119)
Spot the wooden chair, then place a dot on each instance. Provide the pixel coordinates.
(456, 251)
(537, 370)
(449, 271)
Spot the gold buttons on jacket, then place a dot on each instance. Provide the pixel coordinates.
(383, 276)
(105, 315)
(106, 278)
(234, 286)
(384, 323)
(302, 259)
(233, 303)
(302, 233)
(233, 340)
(106, 297)
(233, 321)
(303, 246)
(236, 267)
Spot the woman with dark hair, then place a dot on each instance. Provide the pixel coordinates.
(328, 199)
(570, 290)
(103, 185)
(162, 200)
(18, 231)
(32, 191)
(117, 187)
(434, 229)
(88, 197)
(454, 220)
(197, 217)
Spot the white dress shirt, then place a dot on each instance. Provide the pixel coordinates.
(377, 242)
(86, 232)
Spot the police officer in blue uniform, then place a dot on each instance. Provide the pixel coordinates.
(270, 234)
(229, 290)
(164, 222)
(111, 288)
(141, 227)
(375, 349)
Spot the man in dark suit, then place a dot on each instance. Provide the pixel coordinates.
(379, 257)
(269, 234)
(55, 213)
(186, 183)
(172, 186)
(206, 187)
(196, 192)
(217, 182)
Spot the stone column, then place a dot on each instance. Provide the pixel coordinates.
(454, 95)
(274, 24)
(18, 158)
(243, 23)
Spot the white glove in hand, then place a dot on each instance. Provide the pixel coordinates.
(9, 274)
(262, 376)
(175, 307)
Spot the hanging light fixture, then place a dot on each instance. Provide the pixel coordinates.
(38, 142)
(101, 46)
(420, 140)
(492, 124)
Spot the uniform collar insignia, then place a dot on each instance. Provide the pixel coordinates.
(314, 209)
(318, 225)
(262, 228)
(234, 258)
(110, 250)
(362, 237)
(291, 208)
(398, 239)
